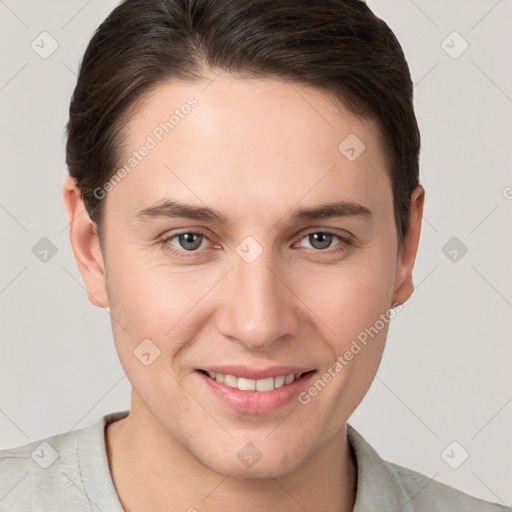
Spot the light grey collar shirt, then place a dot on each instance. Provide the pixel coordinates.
(70, 472)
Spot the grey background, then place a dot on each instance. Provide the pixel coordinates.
(445, 374)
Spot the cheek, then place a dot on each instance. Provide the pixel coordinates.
(157, 301)
(354, 308)
(349, 298)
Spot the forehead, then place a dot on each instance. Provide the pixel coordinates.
(261, 142)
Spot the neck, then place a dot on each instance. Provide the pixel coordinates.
(151, 470)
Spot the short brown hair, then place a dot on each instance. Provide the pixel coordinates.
(339, 46)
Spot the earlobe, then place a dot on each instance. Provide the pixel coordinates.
(404, 285)
(85, 244)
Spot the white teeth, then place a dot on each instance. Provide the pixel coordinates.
(279, 381)
(230, 380)
(246, 384)
(268, 384)
(289, 378)
(265, 384)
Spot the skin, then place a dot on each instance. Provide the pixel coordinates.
(256, 150)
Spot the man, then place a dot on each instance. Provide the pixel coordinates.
(244, 198)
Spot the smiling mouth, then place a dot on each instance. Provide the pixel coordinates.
(244, 384)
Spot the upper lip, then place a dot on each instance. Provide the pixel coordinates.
(248, 372)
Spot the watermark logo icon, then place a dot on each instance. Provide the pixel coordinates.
(454, 249)
(249, 455)
(249, 249)
(44, 250)
(351, 147)
(454, 45)
(44, 45)
(146, 352)
(454, 455)
(44, 455)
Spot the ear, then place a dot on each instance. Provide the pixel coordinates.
(407, 256)
(85, 244)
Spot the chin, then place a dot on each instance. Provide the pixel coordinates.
(259, 471)
(247, 462)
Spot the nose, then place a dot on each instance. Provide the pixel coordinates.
(259, 309)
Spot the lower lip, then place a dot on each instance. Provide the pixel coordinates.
(256, 402)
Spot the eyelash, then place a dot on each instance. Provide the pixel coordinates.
(345, 243)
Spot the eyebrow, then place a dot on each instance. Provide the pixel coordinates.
(336, 209)
(172, 208)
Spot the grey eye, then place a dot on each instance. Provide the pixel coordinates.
(189, 241)
(320, 240)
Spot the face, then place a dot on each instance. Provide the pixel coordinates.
(256, 287)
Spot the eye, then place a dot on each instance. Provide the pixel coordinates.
(322, 240)
(188, 241)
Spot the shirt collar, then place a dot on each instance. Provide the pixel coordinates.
(378, 486)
